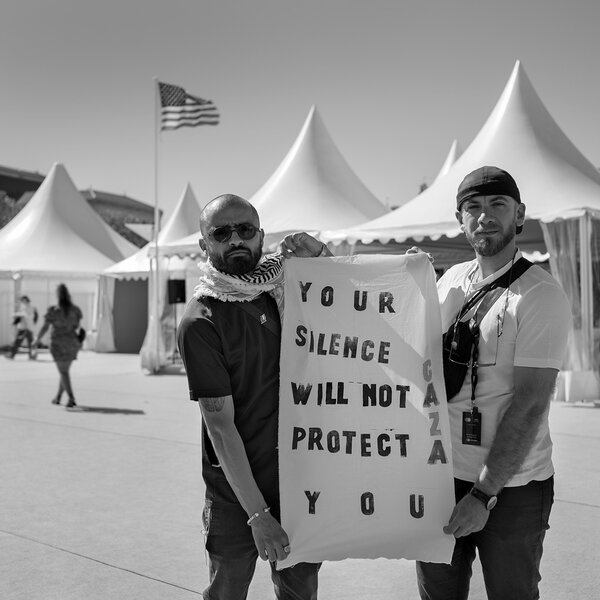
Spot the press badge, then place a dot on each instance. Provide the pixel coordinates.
(471, 427)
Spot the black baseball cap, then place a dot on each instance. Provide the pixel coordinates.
(488, 181)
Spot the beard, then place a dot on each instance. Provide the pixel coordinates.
(487, 246)
(239, 264)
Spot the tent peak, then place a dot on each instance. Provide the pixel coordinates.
(314, 187)
(520, 136)
(452, 156)
(184, 218)
(58, 231)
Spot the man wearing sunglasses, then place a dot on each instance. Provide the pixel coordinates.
(229, 340)
(499, 417)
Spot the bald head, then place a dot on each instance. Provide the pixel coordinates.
(231, 234)
(222, 204)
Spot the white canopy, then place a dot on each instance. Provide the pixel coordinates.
(313, 189)
(56, 238)
(59, 232)
(182, 222)
(556, 181)
(119, 297)
(453, 154)
(561, 190)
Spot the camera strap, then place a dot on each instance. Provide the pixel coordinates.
(472, 420)
(491, 293)
(455, 372)
(502, 282)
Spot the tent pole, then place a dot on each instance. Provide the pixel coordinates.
(17, 289)
(585, 267)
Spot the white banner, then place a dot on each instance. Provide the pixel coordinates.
(365, 459)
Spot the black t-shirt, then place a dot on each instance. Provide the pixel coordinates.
(226, 351)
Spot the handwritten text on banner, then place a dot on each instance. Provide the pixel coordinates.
(364, 448)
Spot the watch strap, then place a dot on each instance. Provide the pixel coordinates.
(488, 501)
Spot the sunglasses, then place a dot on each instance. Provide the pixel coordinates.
(245, 231)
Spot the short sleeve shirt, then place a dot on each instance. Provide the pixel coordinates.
(533, 318)
(226, 351)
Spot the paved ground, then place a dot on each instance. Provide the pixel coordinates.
(104, 502)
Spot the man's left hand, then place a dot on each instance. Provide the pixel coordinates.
(302, 245)
(468, 516)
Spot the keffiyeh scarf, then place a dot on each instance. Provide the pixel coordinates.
(267, 276)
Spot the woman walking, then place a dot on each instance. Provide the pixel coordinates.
(64, 321)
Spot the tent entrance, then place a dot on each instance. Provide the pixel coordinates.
(130, 314)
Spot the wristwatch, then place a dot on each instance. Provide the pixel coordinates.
(488, 501)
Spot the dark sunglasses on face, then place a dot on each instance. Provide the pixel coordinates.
(246, 231)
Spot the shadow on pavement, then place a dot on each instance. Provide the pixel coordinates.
(106, 410)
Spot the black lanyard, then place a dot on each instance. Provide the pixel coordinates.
(502, 282)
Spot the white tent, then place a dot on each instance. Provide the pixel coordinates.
(56, 238)
(559, 186)
(520, 135)
(122, 311)
(183, 221)
(453, 154)
(313, 189)
(314, 186)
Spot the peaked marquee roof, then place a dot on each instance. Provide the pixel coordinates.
(555, 179)
(453, 154)
(58, 232)
(182, 222)
(314, 187)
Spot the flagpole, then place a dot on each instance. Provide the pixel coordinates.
(174, 108)
(156, 303)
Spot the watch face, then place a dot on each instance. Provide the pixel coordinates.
(492, 502)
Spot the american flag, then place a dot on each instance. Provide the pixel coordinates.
(180, 109)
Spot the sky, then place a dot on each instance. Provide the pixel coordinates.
(395, 82)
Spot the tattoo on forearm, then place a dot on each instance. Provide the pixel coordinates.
(213, 404)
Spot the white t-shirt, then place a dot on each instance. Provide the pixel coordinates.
(535, 317)
(27, 314)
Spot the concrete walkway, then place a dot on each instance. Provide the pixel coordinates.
(104, 501)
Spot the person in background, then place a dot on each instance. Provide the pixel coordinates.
(511, 340)
(24, 320)
(63, 320)
(229, 341)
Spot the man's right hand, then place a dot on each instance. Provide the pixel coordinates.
(271, 540)
(417, 250)
(468, 516)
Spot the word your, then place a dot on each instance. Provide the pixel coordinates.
(386, 299)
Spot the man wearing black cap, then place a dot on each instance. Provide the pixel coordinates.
(508, 323)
